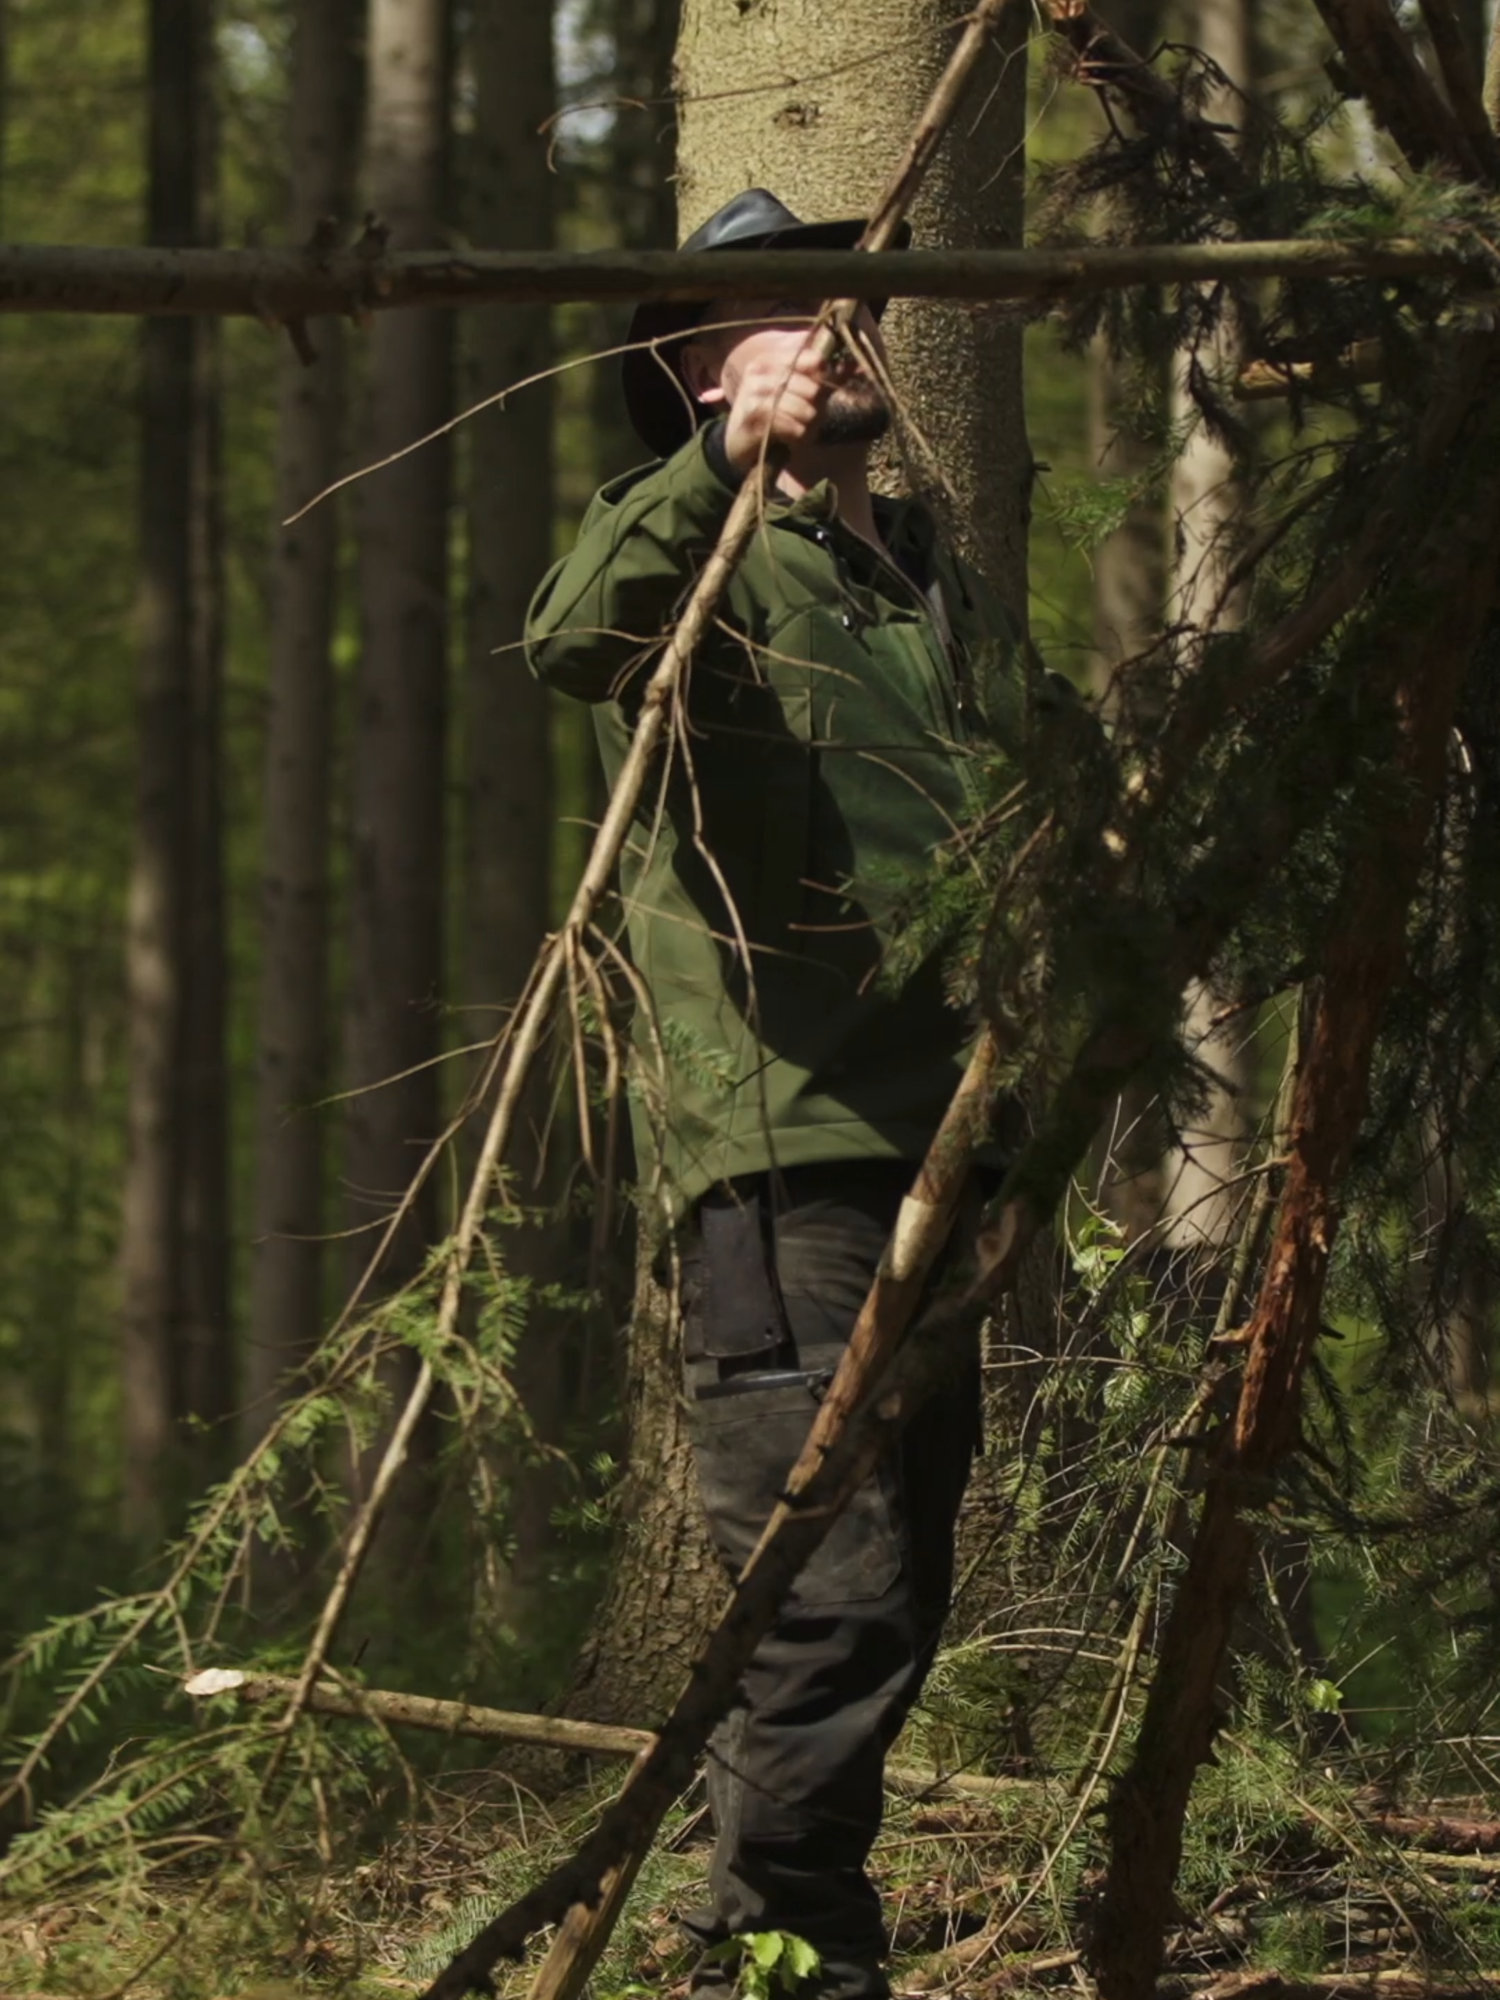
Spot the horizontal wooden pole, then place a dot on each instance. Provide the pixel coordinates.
(552, 1732)
(290, 285)
(420, 1711)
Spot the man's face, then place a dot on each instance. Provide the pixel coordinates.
(777, 330)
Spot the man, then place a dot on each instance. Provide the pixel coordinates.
(835, 741)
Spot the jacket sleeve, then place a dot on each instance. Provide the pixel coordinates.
(598, 614)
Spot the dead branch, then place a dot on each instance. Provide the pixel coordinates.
(280, 287)
(552, 1732)
(419, 1711)
(1361, 964)
(1105, 63)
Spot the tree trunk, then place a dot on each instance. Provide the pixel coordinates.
(397, 865)
(287, 1263)
(206, 1338)
(822, 145)
(507, 714)
(1130, 566)
(666, 1584)
(822, 154)
(160, 888)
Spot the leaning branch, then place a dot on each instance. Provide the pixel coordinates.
(284, 287)
(1418, 688)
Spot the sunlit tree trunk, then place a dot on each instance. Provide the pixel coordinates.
(824, 146)
(291, 1030)
(392, 1022)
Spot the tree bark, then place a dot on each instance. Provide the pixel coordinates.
(158, 918)
(286, 1271)
(205, 1336)
(508, 789)
(666, 1581)
(818, 144)
(398, 861)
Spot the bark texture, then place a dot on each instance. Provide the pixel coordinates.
(291, 1067)
(665, 1583)
(397, 862)
(821, 138)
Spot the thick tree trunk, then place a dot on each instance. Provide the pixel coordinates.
(397, 864)
(160, 886)
(508, 787)
(825, 155)
(291, 1031)
(666, 1584)
(822, 145)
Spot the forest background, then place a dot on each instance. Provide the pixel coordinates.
(284, 819)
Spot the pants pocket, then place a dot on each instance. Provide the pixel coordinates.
(744, 1446)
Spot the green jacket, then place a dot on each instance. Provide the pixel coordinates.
(835, 723)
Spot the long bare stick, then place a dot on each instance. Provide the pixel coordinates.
(656, 705)
(284, 287)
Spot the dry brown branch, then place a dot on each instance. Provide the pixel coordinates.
(281, 286)
(1102, 61)
(417, 1711)
(1363, 959)
(585, 1893)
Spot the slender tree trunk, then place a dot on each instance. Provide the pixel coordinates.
(508, 786)
(397, 867)
(287, 1264)
(159, 903)
(4, 99)
(206, 1339)
(638, 208)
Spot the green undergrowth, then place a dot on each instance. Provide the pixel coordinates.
(987, 1890)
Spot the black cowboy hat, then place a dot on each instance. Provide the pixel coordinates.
(655, 401)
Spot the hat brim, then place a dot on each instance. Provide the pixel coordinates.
(660, 410)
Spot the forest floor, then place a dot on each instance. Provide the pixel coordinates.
(1288, 1888)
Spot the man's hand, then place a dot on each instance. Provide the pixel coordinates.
(779, 398)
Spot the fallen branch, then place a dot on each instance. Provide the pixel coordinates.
(282, 287)
(552, 1732)
(420, 1711)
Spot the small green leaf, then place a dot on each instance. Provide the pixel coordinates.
(765, 1947)
(1326, 1697)
(802, 1959)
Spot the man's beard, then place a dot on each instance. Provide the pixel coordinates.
(856, 413)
